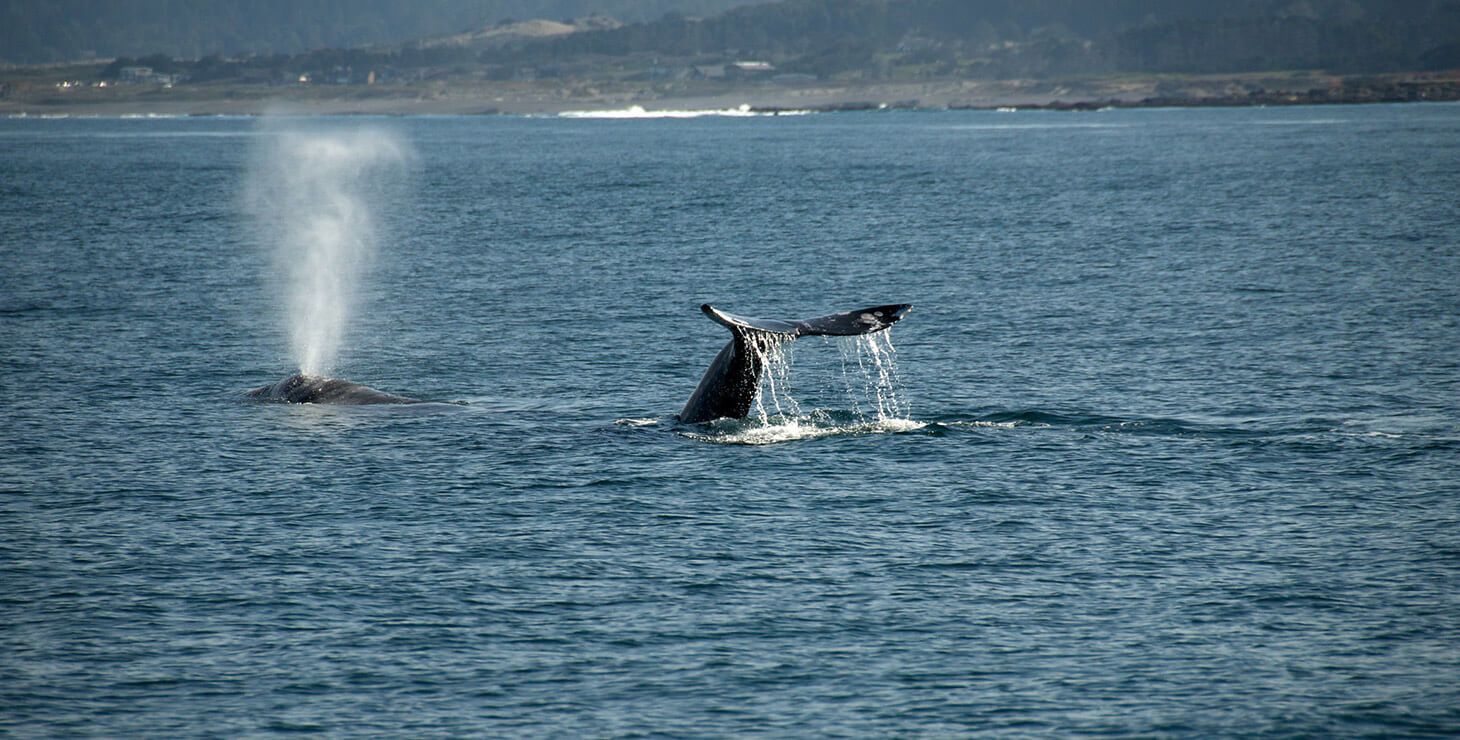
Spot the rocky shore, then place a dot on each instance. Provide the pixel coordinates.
(1409, 91)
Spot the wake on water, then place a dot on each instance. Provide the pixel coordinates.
(866, 396)
(817, 423)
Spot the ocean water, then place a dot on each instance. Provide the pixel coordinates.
(1169, 445)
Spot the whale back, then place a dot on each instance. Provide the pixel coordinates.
(315, 389)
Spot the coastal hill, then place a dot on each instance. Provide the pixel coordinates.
(1000, 38)
(508, 32)
(827, 54)
(49, 31)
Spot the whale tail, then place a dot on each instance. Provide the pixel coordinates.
(729, 386)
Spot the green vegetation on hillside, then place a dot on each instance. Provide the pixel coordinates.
(42, 31)
(1000, 38)
(882, 40)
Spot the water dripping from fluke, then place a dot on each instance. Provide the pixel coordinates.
(745, 397)
(870, 374)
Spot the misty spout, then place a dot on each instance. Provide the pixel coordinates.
(316, 198)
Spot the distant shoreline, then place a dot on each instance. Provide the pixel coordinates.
(553, 99)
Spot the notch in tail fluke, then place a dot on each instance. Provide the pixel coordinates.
(729, 386)
(851, 323)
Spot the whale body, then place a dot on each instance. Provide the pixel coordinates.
(729, 386)
(315, 389)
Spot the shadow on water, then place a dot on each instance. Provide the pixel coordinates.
(1088, 421)
(818, 423)
(1311, 431)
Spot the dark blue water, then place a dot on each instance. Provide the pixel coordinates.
(1173, 450)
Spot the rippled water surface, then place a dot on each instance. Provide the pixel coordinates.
(1169, 446)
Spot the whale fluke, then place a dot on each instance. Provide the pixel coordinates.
(315, 389)
(728, 387)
